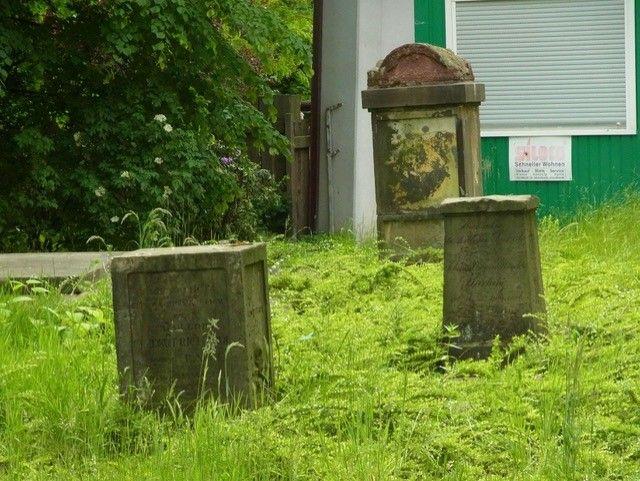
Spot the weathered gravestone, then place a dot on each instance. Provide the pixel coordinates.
(193, 321)
(426, 141)
(492, 274)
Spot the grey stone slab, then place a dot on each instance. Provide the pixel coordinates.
(55, 266)
(193, 321)
(492, 272)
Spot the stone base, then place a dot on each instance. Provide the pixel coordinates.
(471, 351)
(193, 322)
(407, 236)
(478, 351)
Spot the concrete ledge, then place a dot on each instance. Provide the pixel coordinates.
(55, 266)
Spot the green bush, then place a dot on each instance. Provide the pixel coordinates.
(130, 105)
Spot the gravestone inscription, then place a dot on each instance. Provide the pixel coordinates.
(492, 273)
(193, 321)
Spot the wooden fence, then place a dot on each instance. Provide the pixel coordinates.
(294, 121)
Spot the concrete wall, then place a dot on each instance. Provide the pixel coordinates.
(356, 34)
(339, 53)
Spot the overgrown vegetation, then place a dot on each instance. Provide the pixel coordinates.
(363, 384)
(131, 105)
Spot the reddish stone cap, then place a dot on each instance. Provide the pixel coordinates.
(419, 64)
(489, 203)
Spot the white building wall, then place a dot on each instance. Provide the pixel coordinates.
(382, 26)
(339, 45)
(356, 35)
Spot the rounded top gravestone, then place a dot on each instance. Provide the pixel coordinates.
(419, 64)
(424, 103)
(419, 74)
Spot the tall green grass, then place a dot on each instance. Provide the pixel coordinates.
(364, 388)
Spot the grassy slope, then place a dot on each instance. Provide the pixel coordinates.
(360, 392)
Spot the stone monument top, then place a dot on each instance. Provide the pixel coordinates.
(419, 64)
(489, 203)
(225, 247)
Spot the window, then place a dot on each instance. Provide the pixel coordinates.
(551, 67)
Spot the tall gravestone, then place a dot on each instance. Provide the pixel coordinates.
(426, 139)
(193, 321)
(492, 273)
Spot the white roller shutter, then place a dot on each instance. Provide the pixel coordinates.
(547, 64)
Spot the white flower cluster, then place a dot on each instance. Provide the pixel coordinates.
(125, 174)
(158, 160)
(162, 119)
(100, 191)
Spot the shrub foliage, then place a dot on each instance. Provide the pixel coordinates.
(114, 106)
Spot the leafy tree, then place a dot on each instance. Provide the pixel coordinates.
(126, 105)
(291, 73)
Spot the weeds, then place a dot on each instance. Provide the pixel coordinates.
(152, 231)
(365, 389)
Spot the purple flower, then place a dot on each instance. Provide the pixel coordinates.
(227, 160)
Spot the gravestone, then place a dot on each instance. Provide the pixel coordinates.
(193, 321)
(424, 106)
(492, 274)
